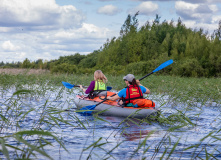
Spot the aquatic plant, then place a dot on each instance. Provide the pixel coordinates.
(35, 120)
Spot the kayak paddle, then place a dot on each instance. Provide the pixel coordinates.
(163, 65)
(70, 86)
(92, 107)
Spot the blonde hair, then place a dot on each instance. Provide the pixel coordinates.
(98, 75)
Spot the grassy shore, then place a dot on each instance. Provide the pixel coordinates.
(14, 71)
(204, 89)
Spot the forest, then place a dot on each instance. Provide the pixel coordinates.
(195, 52)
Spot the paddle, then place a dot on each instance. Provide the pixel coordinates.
(70, 86)
(92, 107)
(163, 65)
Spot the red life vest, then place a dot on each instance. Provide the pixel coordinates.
(132, 93)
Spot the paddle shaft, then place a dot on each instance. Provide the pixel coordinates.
(104, 100)
(79, 86)
(146, 76)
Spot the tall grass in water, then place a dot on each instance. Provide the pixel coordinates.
(18, 130)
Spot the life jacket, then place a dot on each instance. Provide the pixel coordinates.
(132, 93)
(143, 103)
(99, 87)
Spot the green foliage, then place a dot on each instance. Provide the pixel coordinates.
(189, 68)
(89, 61)
(195, 53)
(130, 25)
(63, 68)
(26, 63)
(139, 67)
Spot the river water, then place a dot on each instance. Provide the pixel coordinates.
(107, 137)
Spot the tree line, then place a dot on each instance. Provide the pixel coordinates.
(140, 50)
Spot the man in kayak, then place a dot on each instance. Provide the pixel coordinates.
(96, 86)
(132, 92)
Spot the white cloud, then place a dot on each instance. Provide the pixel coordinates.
(205, 26)
(8, 46)
(214, 8)
(87, 31)
(32, 13)
(216, 19)
(201, 13)
(108, 10)
(190, 1)
(185, 8)
(145, 8)
(43, 30)
(13, 56)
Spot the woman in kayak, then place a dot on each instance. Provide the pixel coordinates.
(97, 85)
(132, 92)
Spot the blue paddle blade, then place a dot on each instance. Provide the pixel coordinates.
(67, 85)
(88, 109)
(165, 64)
(109, 88)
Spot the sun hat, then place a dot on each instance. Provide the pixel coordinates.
(129, 77)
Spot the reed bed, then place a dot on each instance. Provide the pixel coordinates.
(25, 138)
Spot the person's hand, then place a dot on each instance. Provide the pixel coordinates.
(138, 82)
(81, 87)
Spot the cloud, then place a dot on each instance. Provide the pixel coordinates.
(207, 27)
(52, 44)
(8, 46)
(109, 10)
(43, 30)
(88, 33)
(106, 0)
(197, 12)
(145, 8)
(40, 14)
(216, 19)
(190, 1)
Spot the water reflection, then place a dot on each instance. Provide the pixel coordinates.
(132, 129)
(135, 133)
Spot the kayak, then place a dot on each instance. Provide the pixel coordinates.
(112, 108)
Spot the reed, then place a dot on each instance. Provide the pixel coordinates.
(25, 138)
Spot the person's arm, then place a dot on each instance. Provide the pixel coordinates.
(147, 90)
(122, 93)
(89, 89)
(114, 98)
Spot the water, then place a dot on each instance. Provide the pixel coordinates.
(112, 137)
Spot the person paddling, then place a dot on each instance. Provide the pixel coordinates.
(134, 91)
(96, 86)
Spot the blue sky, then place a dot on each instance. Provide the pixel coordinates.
(48, 29)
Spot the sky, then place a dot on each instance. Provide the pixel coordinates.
(48, 29)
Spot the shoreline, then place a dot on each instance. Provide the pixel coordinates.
(16, 71)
